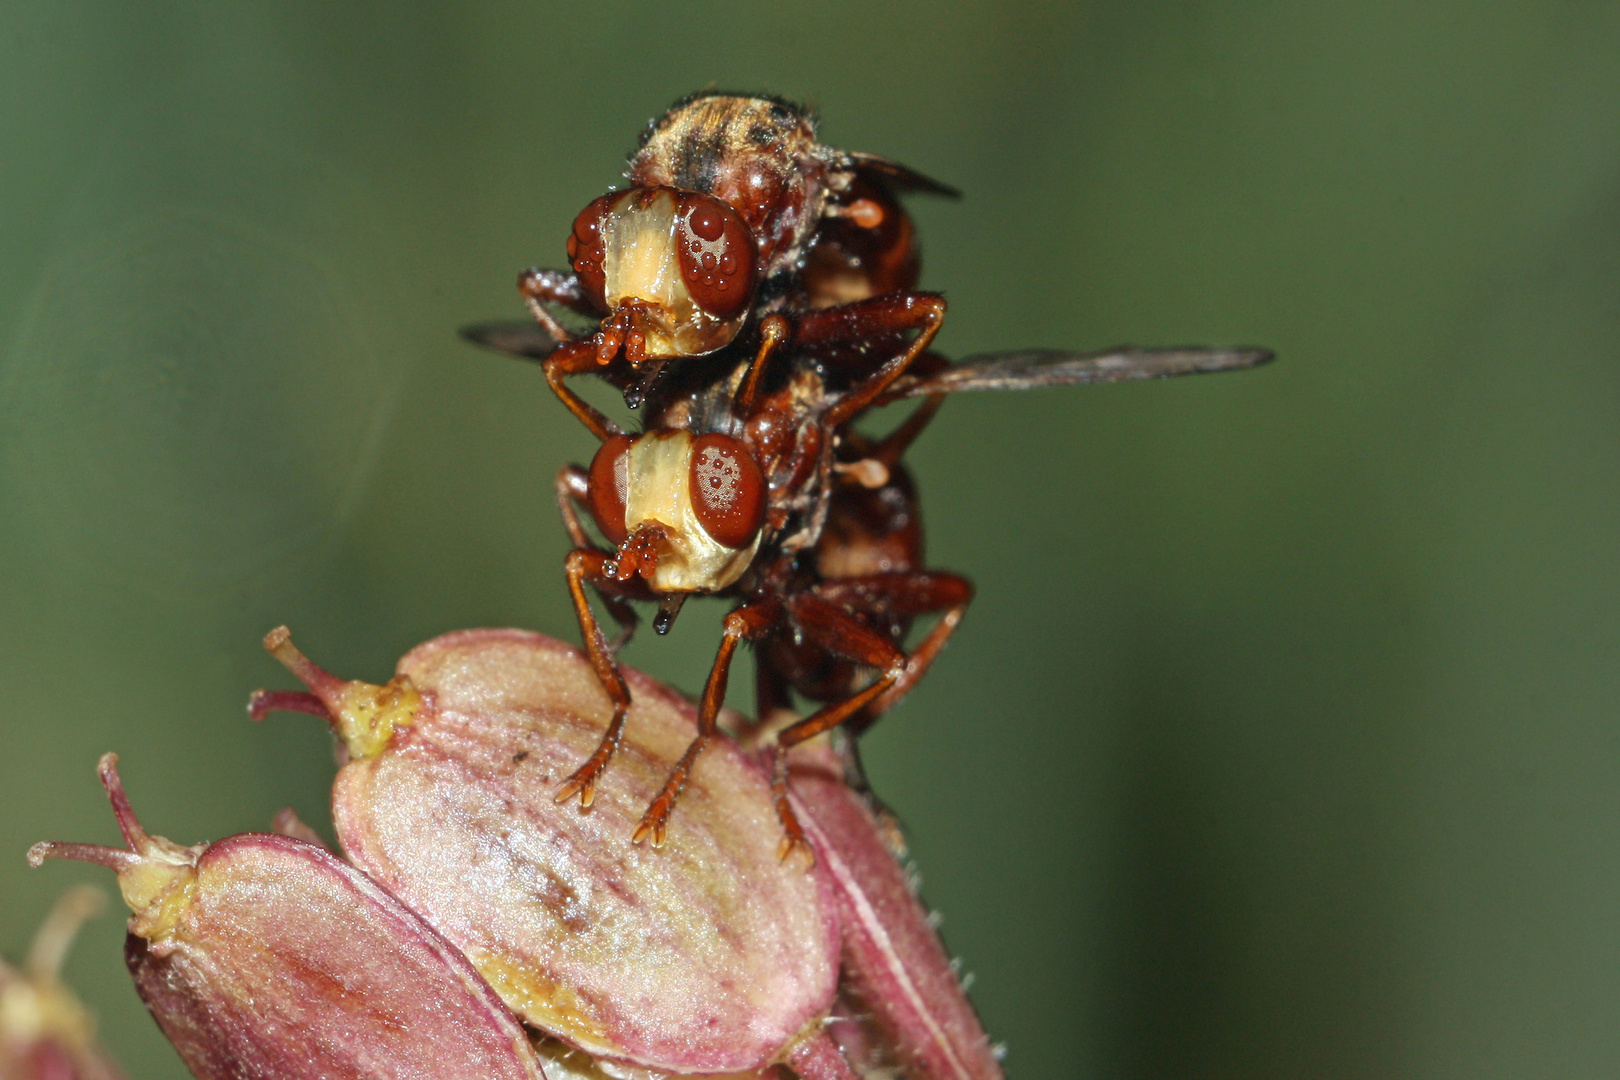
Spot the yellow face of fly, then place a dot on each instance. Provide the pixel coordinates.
(658, 492)
(640, 263)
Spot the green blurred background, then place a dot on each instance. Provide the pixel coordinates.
(1281, 740)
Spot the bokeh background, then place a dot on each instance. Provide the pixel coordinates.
(1281, 741)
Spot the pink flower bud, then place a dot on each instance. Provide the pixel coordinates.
(894, 963)
(265, 958)
(708, 955)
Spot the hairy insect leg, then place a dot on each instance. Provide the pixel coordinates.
(846, 637)
(577, 358)
(582, 565)
(746, 623)
(574, 486)
(894, 313)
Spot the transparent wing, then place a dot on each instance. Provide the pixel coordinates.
(514, 337)
(1048, 367)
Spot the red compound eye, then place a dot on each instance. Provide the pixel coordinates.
(717, 254)
(707, 220)
(728, 492)
(585, 250)
(610, 487)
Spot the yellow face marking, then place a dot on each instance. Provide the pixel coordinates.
(659, 492)
(640, 262)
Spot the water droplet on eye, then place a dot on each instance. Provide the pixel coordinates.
(706, 220)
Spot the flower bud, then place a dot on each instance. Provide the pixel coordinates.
(265, 958)
(707, 955)
(895, 965)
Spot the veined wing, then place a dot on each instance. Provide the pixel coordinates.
(1033, 368)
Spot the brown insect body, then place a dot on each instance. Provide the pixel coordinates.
(869, 563)
(835, 603)
(754, 161)
(827, 563)
(867, 249)
(758, 155)
(838, 575)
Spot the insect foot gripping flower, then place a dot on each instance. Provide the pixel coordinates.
(265, 958)
(708, 955)
(45, 1034)
(897, 973)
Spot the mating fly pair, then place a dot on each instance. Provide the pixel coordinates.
(756, 295)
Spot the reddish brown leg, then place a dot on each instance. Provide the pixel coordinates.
(588, 564)
(846, 637)
(773, 331)
(771, 692)
(894, 313)
(917, 664)
(873, 468)
(541, 287)
(903, 596)
(577, 358)
(574, 486)
(897, 442)
(745, 623)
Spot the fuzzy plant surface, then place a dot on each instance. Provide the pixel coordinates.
(473, 926)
